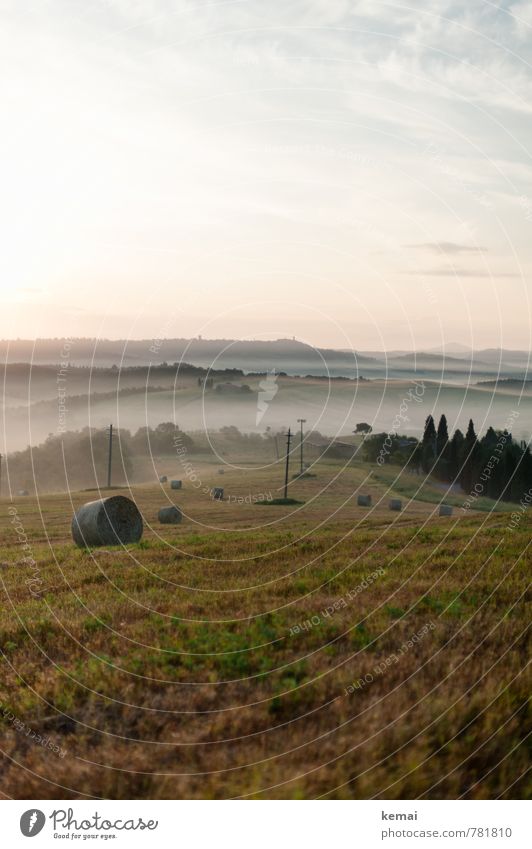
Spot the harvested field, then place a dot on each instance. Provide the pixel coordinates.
(286, 651)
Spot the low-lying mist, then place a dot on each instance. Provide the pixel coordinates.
(255, 404)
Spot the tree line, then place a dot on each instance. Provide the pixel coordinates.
(494, 466)
(76, 460)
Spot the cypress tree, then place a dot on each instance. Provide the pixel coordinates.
(471, 435)
(442, 444)
(456, 447)
(429, 432)
(490, 439)
(442, 437)
(469, 457)
(429, 444)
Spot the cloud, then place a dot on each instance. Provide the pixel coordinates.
(461, 272)
(448, 248)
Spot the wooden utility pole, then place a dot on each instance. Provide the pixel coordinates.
(0, 474)
(288, 438)
(110, 462)
(302, 422)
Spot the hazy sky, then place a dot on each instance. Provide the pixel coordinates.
(351, 173)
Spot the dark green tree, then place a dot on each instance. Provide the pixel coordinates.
(470, 433)
(469, 458)
(456, 447)
(442, 449)
(428, 450)
(490, 438)
(442, 436)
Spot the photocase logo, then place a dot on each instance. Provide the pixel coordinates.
(32, 822)
(268, 391)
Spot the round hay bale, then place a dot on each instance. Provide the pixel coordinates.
(176, 484)
(221, 471)
(364, 500)
(446, 510)
(396, 504)
(110, 521)
(218, 493)
(163, 479)
(170, 515)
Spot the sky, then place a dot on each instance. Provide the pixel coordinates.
(354, 174)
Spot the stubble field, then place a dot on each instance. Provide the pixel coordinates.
(314, 650)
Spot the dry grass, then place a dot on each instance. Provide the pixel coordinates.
(175, 669)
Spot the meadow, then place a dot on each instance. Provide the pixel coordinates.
(263, 651)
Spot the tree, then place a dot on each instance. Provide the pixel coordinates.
(456, 447)
(490, 438)
(428, 450)
(373, 447)
(161, 440)
(470, 434)
(363, 427)
(389, 448)
(429, 433)
(442, 449)
(442, 437)
(469, 458)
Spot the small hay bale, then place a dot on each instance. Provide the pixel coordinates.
(110, 521)
(396, 504)
(163, 479)
(170, 515)
(176, 484)
(364, 500)
(23, 492)
(221, 471)
(218, 493)
(446, 510)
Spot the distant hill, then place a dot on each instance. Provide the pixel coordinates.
(508, 382)
(506, 355)
(451, 348)
(431, 357)
(287, 355)
(259, 356)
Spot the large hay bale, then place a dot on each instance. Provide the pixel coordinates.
(446, 510)
(396, 504)
(110, 521)
(170, 515)
(218, 493)
(176, 484)
(364, 500)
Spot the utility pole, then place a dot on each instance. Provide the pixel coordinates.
(109, 465)
(288, 438)
(0, 474)
(302, 422)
